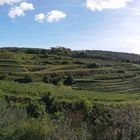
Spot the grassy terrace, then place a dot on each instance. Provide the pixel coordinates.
(107, 80)
(59, 94)
(66, 93)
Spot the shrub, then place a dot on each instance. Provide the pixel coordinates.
(48, 100)
(4, 76)
(47, 79)
(93, 65)
(69, 80)
(52, 79)
(114, 122)
(34, 110)
(56, 80)
(25, 79)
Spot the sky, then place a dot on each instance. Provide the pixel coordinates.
(112, 25)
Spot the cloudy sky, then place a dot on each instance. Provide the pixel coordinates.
(77, 24)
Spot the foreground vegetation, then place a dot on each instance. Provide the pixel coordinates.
(59, 94)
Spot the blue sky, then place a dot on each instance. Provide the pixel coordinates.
(77, 24)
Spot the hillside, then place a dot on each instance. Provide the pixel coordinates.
(91, 70)
(60, 94)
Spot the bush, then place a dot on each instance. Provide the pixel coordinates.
(93, 65)
(52, 79)
(34, 110)
(4, 76)
(47, 79)
(25, 79)
(48, 100)
(56, 80)
(114, 122)
(69, 80)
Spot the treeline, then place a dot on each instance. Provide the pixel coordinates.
(107, 55)
(66, 52)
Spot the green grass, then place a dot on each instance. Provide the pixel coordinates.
(102, 82)
(112, 81)
(61, 93)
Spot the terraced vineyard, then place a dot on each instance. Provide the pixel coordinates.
(69, 95)
(94, 74)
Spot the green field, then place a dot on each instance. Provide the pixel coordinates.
(91, 89)
(93, 73)
(65, 93)
(95, 79)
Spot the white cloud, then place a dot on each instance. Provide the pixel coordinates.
(40, 17)
(26, 6)
(2, 2)
(17, 11)
(106, 4)
(55, 16)
(20, 10)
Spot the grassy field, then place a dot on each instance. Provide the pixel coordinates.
(59, 94)
(105, 76)
(65, 93)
